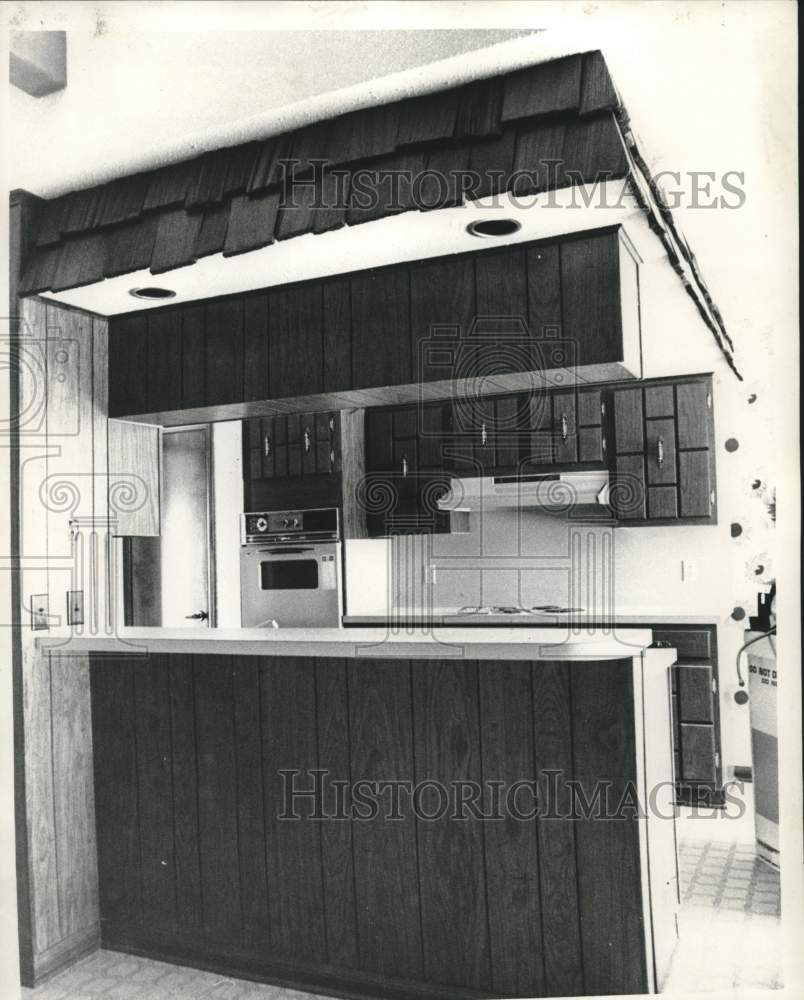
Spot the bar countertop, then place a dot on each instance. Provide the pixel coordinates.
(518, 643)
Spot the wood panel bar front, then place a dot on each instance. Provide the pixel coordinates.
(360, 883)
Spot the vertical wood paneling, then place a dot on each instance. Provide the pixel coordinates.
(512, 862)
(255, 352)
(381, 328)
(442, 311)
(296, 352)
(116, 789)
(224, 351)
(97, 612)
(337, 335)
(250, 816)
(40, 801)
(164, 361)
(193, 355)
(155, 781)
(185, 790)
(336, 837)
(295, 878)
(217, 799)
(128, 353)
(386, 870)
(451, 863)
(590, 286)
(544, 291)
(552, 740)
(607, 849)
(134, 458)
(74, 796)
(502, 286)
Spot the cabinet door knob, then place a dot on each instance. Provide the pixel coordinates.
(483, 434)
(307, 440)
(564, 427)
(332, 423)
(266, 445)
(331, 459)
(712, 499)
(404, 466)
(603, 444)
(660, 451)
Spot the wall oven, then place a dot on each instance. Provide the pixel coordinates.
(290, 569)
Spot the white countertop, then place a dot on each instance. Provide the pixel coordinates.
(534, 643)
(453, 617)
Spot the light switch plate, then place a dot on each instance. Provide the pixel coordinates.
(40, 612)
(75, 607)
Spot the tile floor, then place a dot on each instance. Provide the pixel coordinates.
(729, 931)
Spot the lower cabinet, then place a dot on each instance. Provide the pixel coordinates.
(239, 829)
(696, 714)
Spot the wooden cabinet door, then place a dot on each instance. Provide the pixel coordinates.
(590, 291)
(128, 366)
(507, 434)
(381, 350)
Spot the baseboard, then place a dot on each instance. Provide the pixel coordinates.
(47, 963)
(323, 980)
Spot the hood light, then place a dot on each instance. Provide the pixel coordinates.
(484, 228)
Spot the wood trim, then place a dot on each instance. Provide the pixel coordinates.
(65, 952)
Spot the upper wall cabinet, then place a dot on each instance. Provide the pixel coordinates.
(493, 317)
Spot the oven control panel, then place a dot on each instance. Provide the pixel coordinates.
(290, 525)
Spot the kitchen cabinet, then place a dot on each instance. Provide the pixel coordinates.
(134, 478)
(546, 305)
(292, 445)
(196, 865)
(696, 712)
(405, 463)
(664, 463)
(566, 428)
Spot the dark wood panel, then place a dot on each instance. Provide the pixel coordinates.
(695, 486)
(552, 740)
(502, 287)
(155, 784)
(250, 814)
(185, 791)
(128, 353)
(381, 353)
(590, 293)
(451, 862)
(511, 844)
(164, 361)
(217, 799)
(442, 299)
(590, 408)
(337, 334)
(659, 401)
(193, 355)
(116, 810)
(224, 351)
(256, 383)
(697, 752)
(607, 850)
(296, 343)
(628, 420)
(662, 502)
(690, 644)
(386, 871)
(629, 493)
(694, 693)
(544, 291)
(340, 906)
(293, 846)
(693, 405)
(590, 444)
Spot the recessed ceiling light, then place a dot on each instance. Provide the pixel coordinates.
(493, 227)
(152, 292)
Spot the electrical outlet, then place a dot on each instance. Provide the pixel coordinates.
(689, 570)
(75, 607)
(40, 612)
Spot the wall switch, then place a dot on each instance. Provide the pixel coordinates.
(40, 612)
(689, 570)
(75, 607)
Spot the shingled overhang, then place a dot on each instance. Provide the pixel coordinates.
(545, 127)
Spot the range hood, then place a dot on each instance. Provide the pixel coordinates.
(552, 491)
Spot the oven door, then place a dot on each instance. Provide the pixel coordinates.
(293, 585)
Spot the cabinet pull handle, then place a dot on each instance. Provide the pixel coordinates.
(266, 445)
(307, 440)
(660, 451)
(709, 400)
(603, 408)
(564, 427)
(331, 459)
(712, 499)
(404, 466)
(483, 435)
(332, 424)
(603, 444)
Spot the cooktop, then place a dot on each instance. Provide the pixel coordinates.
(510, 609)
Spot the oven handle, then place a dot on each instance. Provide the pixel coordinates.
(287, 551)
